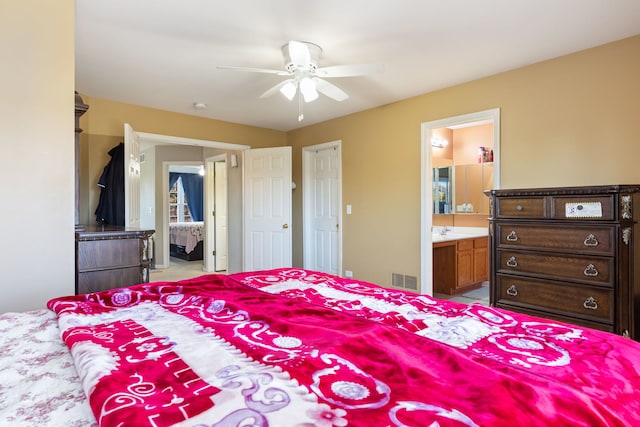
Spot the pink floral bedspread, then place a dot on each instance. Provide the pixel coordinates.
(295, 348)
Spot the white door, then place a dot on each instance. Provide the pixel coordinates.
(322, 208)
(267, 208)
(131, 177)
(220, 217)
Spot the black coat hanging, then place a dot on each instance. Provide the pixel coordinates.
(110, 208)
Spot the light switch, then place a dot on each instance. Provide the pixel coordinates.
(348, 209)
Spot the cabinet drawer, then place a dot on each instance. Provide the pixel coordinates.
(580, 204)
(582, 269)
(521, 207)
(481, 242)
(465, 245)
(586, 239)
(587, 302)
(114, 253)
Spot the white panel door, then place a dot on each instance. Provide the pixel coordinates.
(322, 209)
(131, 177)
(220, 217)
(267, 208)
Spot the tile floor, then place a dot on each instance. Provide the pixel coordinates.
(480, 295)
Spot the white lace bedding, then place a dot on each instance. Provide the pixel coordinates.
(38, 380)
(186, 234)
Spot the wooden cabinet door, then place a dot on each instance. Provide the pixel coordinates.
(464, 258)
(481, 259)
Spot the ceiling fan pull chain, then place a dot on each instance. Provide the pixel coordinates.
(300, 114)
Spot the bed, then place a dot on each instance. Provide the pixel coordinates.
(186, 240)
(291, 347)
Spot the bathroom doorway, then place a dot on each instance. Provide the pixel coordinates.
(429, 139)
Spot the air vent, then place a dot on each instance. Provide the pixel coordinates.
(411, 282)
(406, 282)
(397, 280)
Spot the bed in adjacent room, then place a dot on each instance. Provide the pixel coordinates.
(186, 240)
(292, 347)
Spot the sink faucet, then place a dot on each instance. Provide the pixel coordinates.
(443, 230)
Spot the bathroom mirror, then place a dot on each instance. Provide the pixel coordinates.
(471, 182)
(442, 190)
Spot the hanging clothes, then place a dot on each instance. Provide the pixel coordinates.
(110, 208)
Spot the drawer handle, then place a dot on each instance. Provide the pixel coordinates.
(591, 240)
(591, 270)
(590, 303)
(513, 291)
(512, 237)
(520, 208)
(511, 262)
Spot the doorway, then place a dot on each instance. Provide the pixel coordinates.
(427, 135)
(185, 210)
(156, 206)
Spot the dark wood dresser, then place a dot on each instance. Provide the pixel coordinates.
(110, 257)
(568, 254)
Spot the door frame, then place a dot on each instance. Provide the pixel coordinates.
(165, 206)
(150, 139)
(210, 205)
(426, 202)
(308, 196)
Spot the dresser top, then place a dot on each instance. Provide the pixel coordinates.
(100, 231)
(559, 191)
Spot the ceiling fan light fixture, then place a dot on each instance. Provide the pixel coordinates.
(289, 90)
(308, 89)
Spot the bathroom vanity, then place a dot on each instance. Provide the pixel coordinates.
(460, 259)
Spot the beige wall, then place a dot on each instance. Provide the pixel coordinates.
(36, 152)
(467, 141)
(103, 128)
(568, 121)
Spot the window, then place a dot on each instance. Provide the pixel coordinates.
(178, 207)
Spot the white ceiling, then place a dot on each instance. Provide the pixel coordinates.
(164, 53)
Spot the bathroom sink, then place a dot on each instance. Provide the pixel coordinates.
(457, 234)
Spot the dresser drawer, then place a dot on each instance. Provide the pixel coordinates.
(593, 208)
(607, 327)
(105, 254)
(524, 207)
(587, 302)
(574, 268)
(103, 280)
(583, 239)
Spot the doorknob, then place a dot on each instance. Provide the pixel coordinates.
(213, 213)
(285, 225)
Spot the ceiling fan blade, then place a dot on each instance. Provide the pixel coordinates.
(299, 54)
(275, 89)
(254, 70)
(349, 70)
(330, 90)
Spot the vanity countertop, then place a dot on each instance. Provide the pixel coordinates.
(458, 233)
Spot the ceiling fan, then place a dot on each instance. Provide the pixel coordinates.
(305, 77)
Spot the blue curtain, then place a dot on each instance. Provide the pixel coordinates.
(193, 185)
(173, 177)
